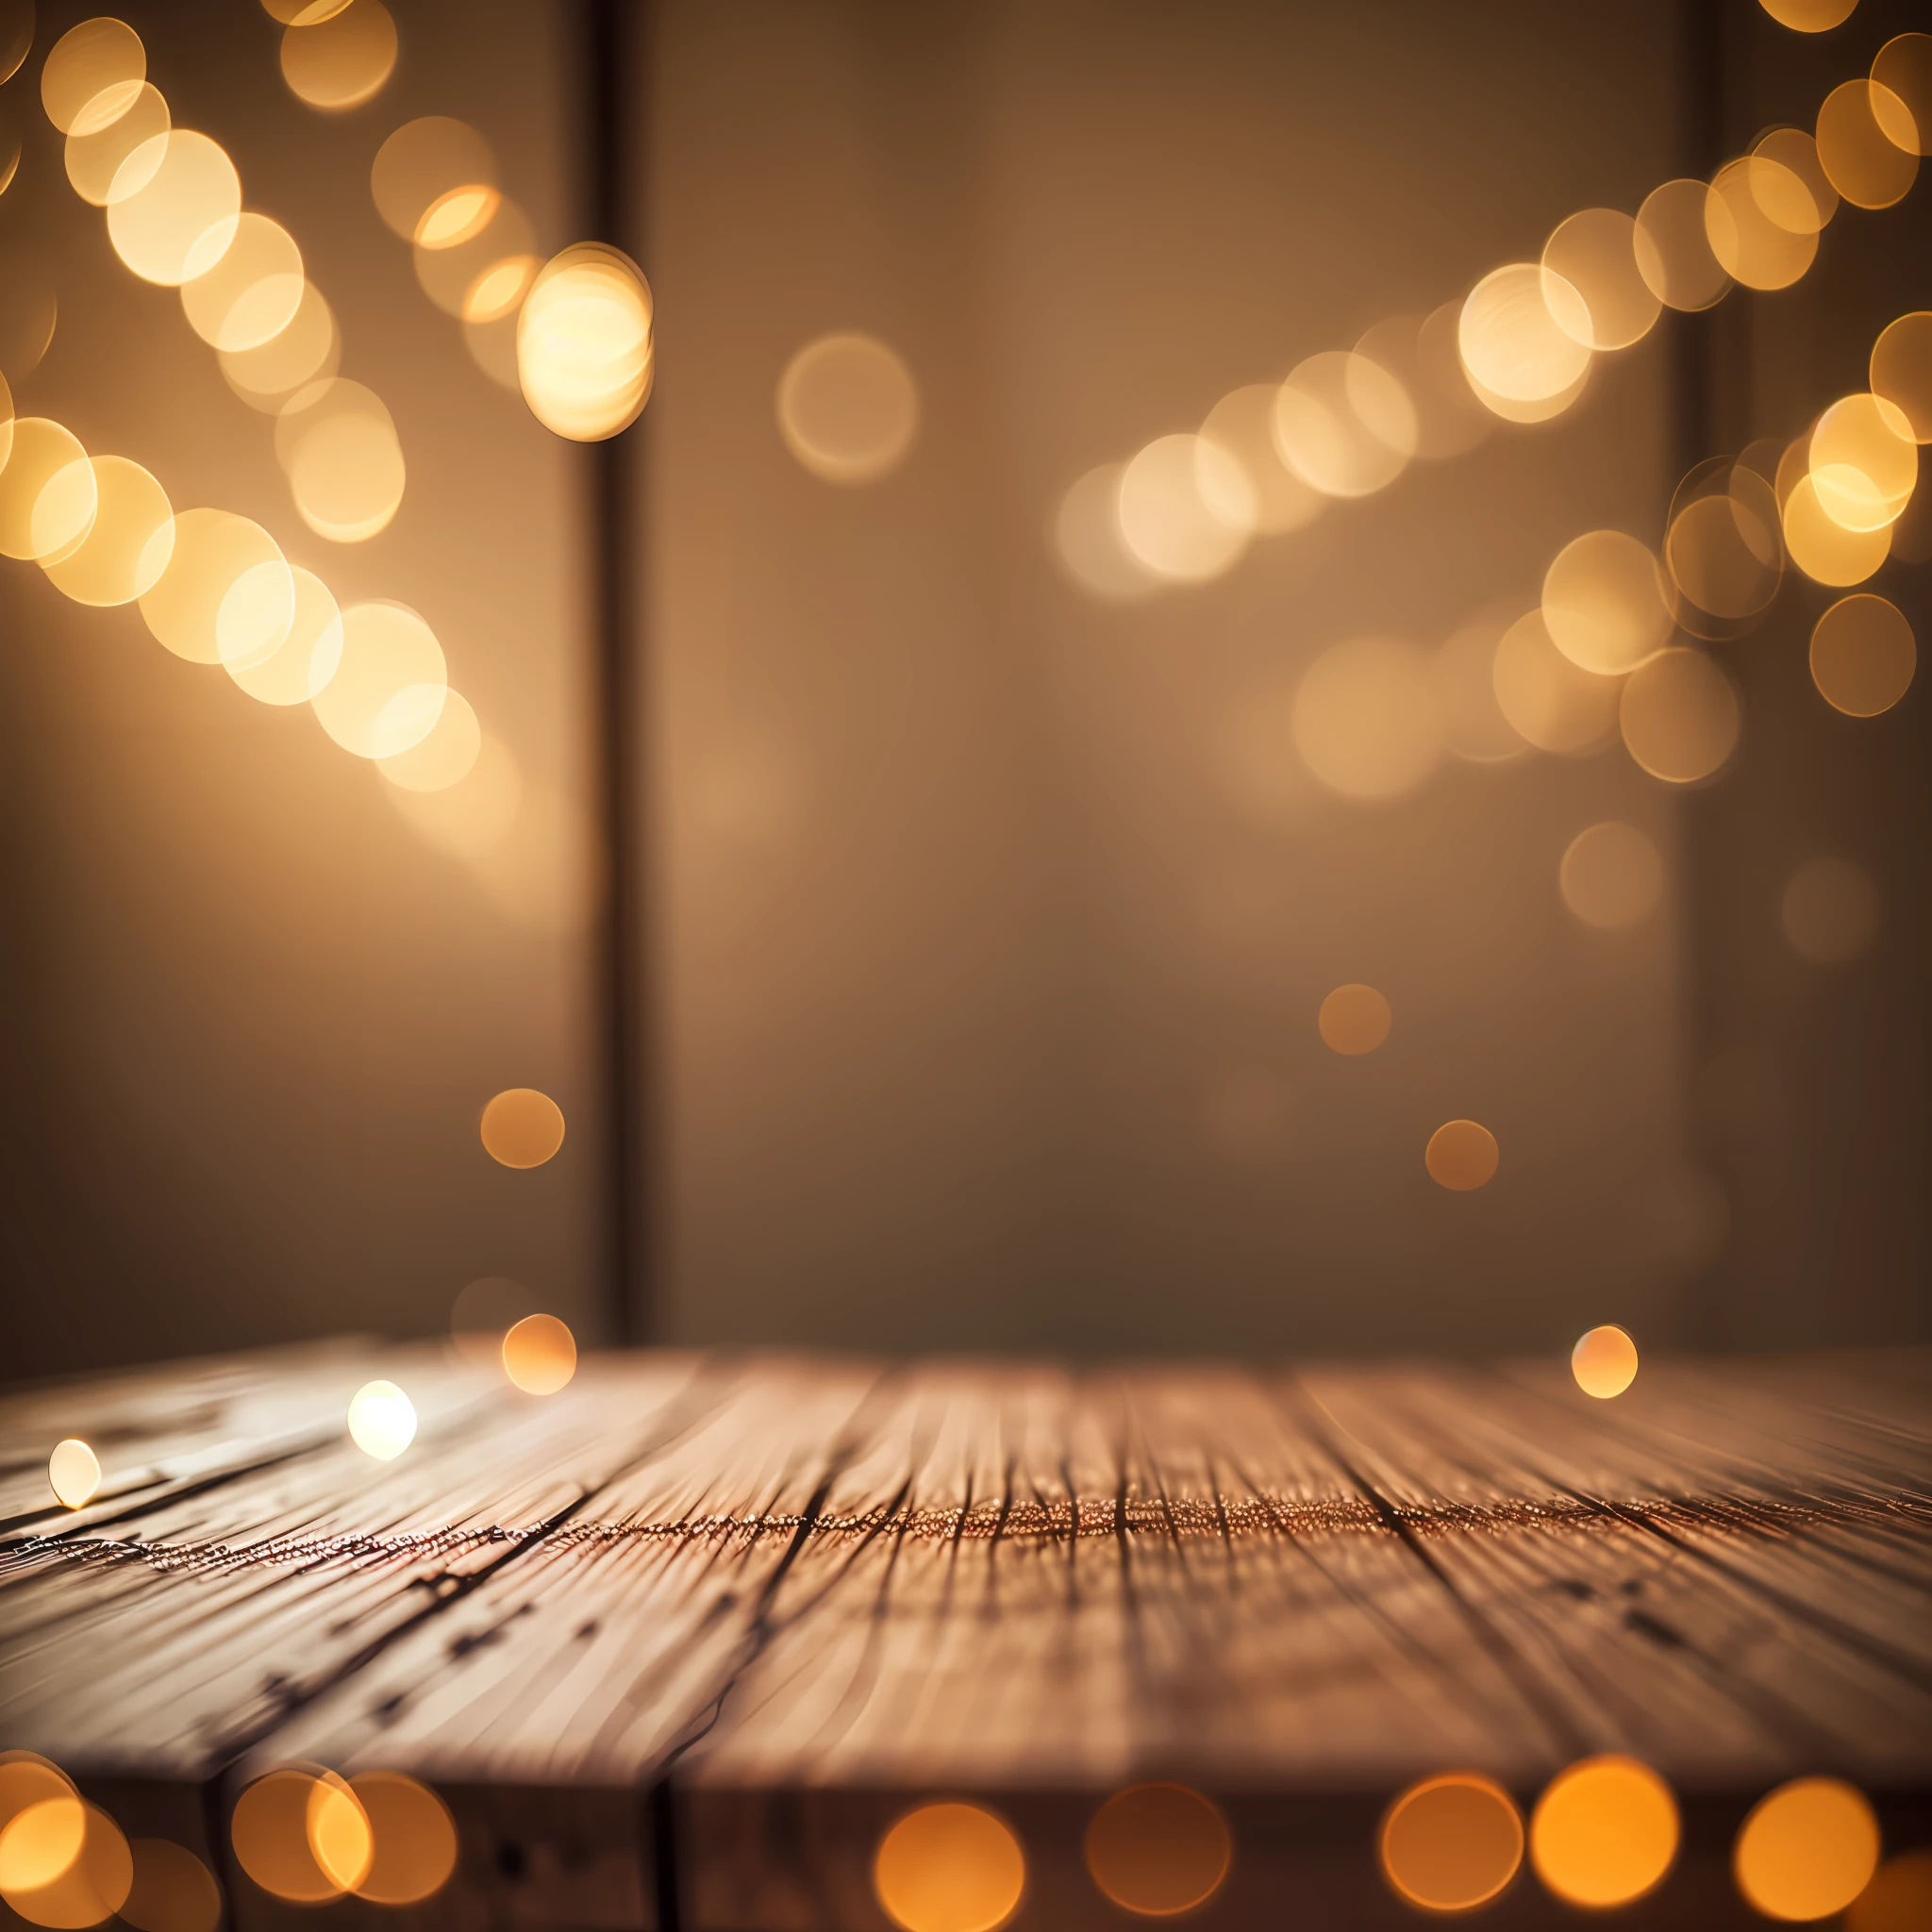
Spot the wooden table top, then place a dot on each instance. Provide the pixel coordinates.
(775, 1581)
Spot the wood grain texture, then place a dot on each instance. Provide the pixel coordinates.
(724, 1615)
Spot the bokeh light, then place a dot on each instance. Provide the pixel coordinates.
(434, 182)
(302, 664)
(1423, 356)
(1863, 655)
(1345, 425)
(484, 278)
(1451, 1842)
(47, 494)
(1795, 152)
(301, 1834)
(1605, 1830)
(1745, 214)
(1679, 716)
(1089, 541)
(389, 687)
(1593, 256)
(521, 1127)
(1461, 1156)
(172, 1891)
(227, 596)
(1603, 603)
(340, 62)
(180, 221)
(1354, 1019)
(1722, 552)
(1863, 461)
(1513, 345)
(1856, 147)
(949, 1867)
(1810, 16)
(93, 75)
(74, 1473)
(1806, 1849)
(1903, 69)
(382, 1423)
(251, 296)
(26, 1779)
(1157, 1849)
(445, 757)
(1822, 547)
(65, 1864)
(1366, 721)
(118, 159)
(1473, 726)
(1549, 701)
(483, 1314)
(584, 346)
(412, 1839)
(336, 444)
(1673, 246)
(1902, 368)
(1185, 508)
(307, 350)
(1611, 876)
(302, 12)
(1604, 1364)
(129, 545)
(1899, 1898)
(1830, 912)
(848, 409)
(539, 1355)
(1241, 425)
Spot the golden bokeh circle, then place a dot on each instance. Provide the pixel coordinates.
(1863, 655)
(1806, 1849)
(1451, 1842)
(1605, 1830)
(129, 543)
(1594, 253)
(252, 293)
(302, 664)
(1366, 719)
(1830, 912)
(1184, 509)
(1603, 604)
(1549, 701)
(1904, 68)
(1092, 545)
(112, 161)
(1241, 427)
(1354, 1019)
(340, 62)
(1901, 370)
(301, 1834)
(847, 408)
(521, 1127)
(412, 1839)
(1604, 1364)
(1810, 16)
(1722, 552)
(949, 1867)
(307, 350)
(1611, 876)
(93, 75)
(1343, 423)
(391, 684)
(173, 1891)
(585, 354)
(1461, 1156)
(1856, 146)
(1679, 716)
(1863, 461)
(1822, 547)
(180, 221)
(65, 1864)
(1473, 726)
(445, 757)
(1514, 345)
(1745, 213)
(74, 1473)
(539, 1355)
(1673, 247)
(422, 172)
(1159, 1850)
(382, 1423)
(336, 444)
(227, 596)
(47, 491)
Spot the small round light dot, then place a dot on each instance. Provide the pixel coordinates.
(73, 1472)
(1863, 655)
(523, 1127)
(949, 1867)
(1451, 1843)
(1604, 1362)
(382, 1421)
(1354, 1019)
(539, 1355)
(1461, 1156)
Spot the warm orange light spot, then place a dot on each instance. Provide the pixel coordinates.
(1867, 143)
(539, 1355)
(338, 62)
(25, 1780)
(949, 1867)
(181, 221)
(1822, 546)
(423, 164)
(1184, 509)
(1523, 334)
(1549, 701)
(523, 1127)
(1901, 365)
(1367, 721)
(1611, 876)
(1605, 1830)
(586, 361)
(1795, 152)
(458, 215)
(1594, 253)
(1810, 16)
(251, 294)
(74, 1473)
(1830, 912)
(339, 1833)
(847, 408)
(1679, 716)
(1899, 1899)
(302, 664)
(1806, 1849)
(1354, 1019)
(40, 1842)
(445, 757)
(1241, 427)
(382, 1421)
(1721, 547)
(1863, 461)
(338, 446)
(1461, 1156)
(129, 544)
(47, 491)
(173, 1891)
(110, 161)
(93, 75)
(1673, 247)
(1863, 655)
(1157, 1850)
(1761, 221)
(1603, 603)
(499, 289)
(391, 686)
(308, 351)
(303, 13)
(1451, 1843)
(414, 1839)
(1604, 1362)
(1345, 425)
(65, 1864)
(227, 596)
(1904, 68)
(302, 1835)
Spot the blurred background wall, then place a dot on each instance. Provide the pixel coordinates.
(988, 920)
